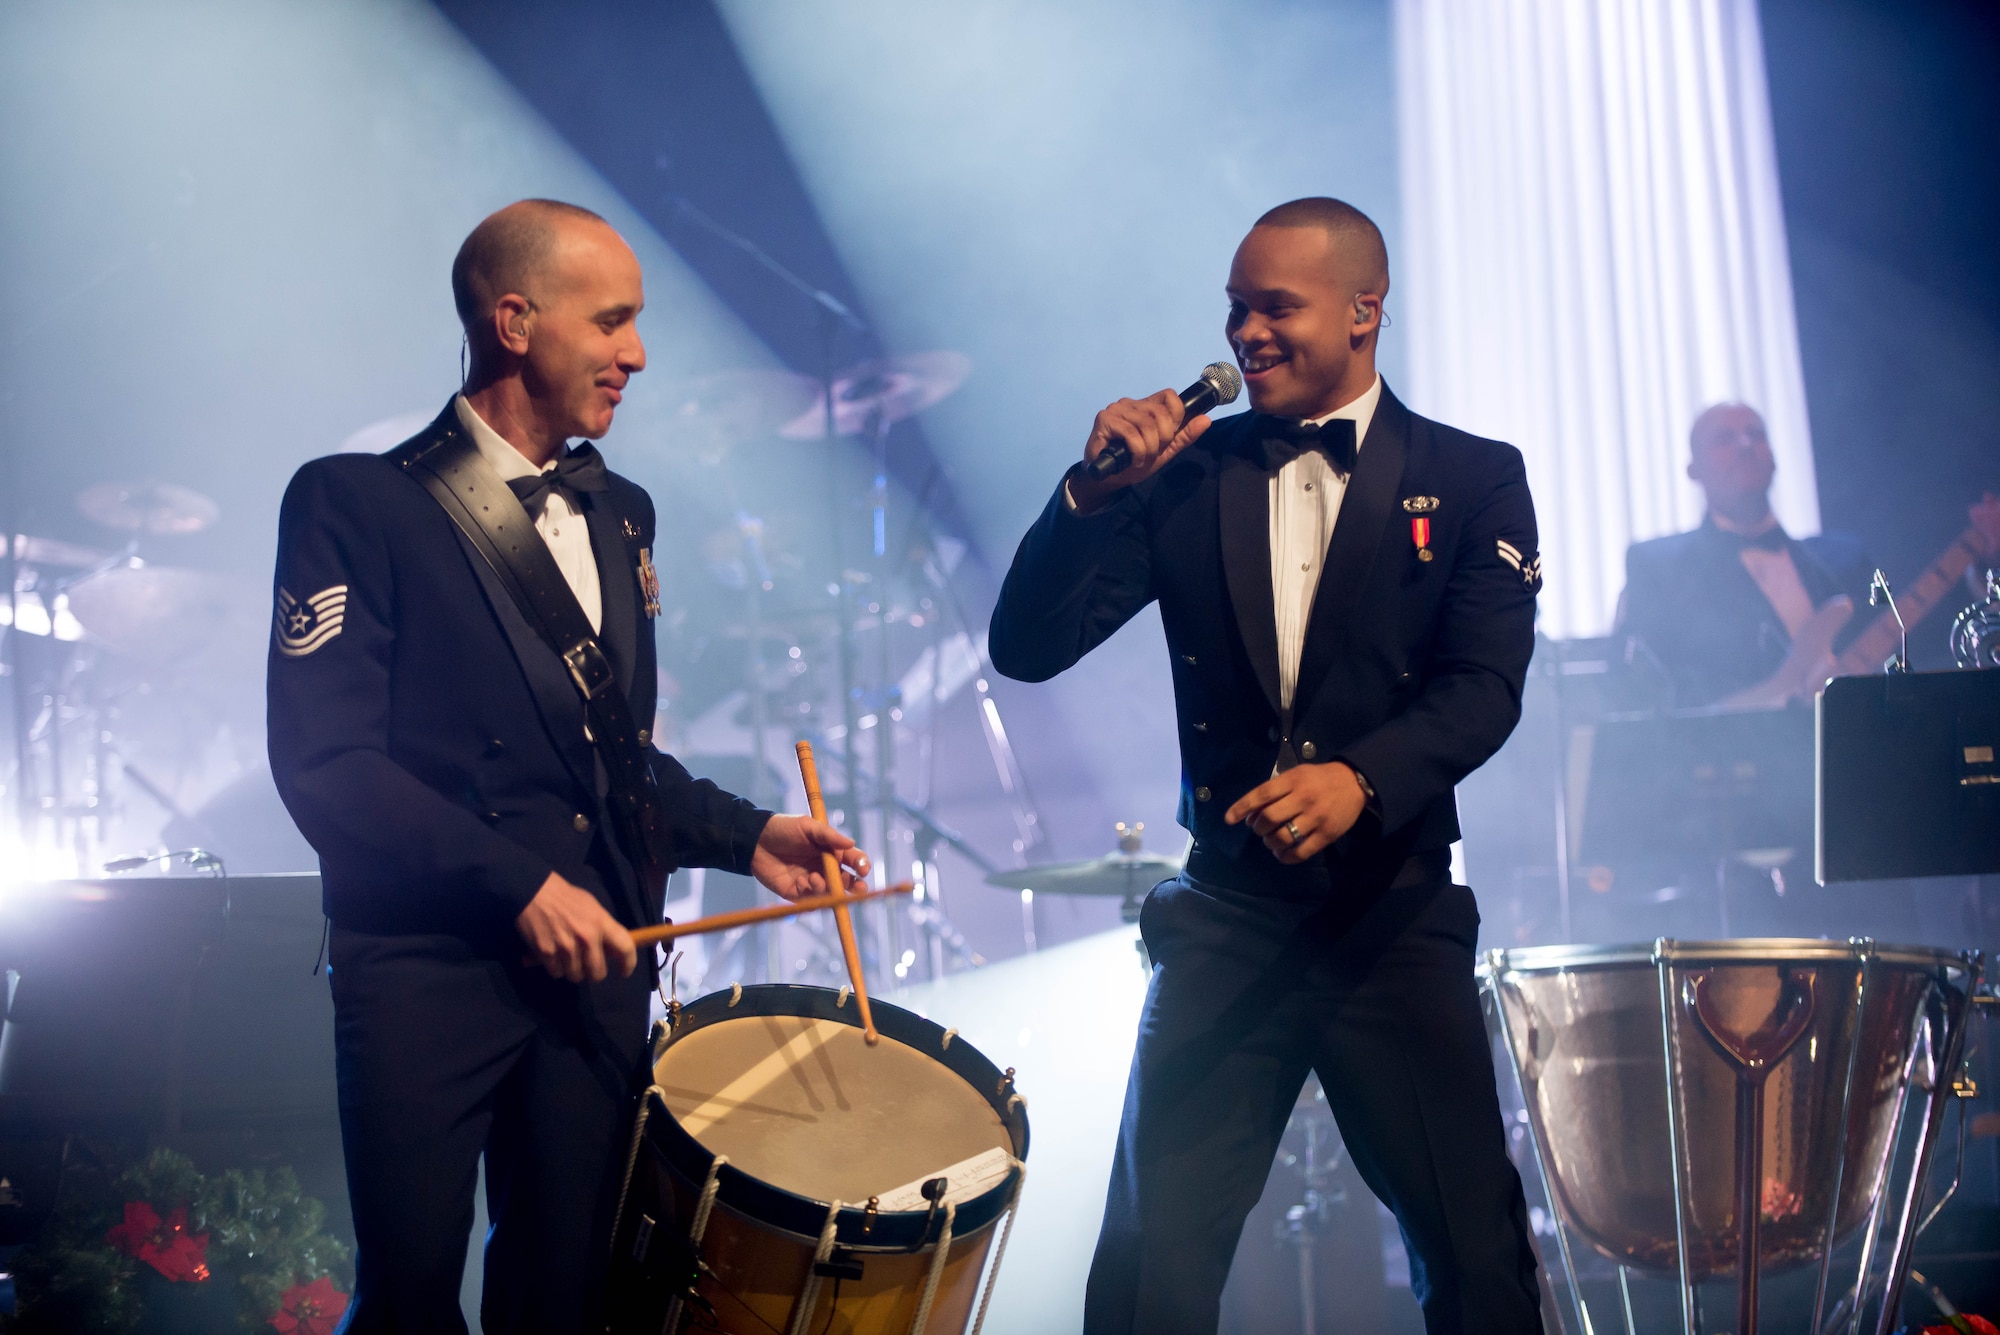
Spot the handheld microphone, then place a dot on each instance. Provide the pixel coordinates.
(1220, 383)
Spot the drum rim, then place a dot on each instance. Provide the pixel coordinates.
(1736, 950)
(770, 1206)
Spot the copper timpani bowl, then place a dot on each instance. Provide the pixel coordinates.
(1621, 1075)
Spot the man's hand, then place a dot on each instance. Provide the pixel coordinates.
(1152, 429)
(569, 934)
(1301, 811)
(787, 861)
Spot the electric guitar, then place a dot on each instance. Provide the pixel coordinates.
(1811, 662)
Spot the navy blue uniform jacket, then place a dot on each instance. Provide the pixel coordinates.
(1411, 671)
(428, 743)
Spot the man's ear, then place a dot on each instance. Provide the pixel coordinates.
(513, 322)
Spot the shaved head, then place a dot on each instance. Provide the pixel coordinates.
(1357, 241)
(509, 252)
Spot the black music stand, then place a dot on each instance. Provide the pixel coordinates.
(1908, 784)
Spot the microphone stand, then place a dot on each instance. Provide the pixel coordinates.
(1878, 592)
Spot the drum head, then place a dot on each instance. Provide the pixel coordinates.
(806, 1105)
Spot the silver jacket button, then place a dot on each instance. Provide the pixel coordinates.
(1306, 751)
(580, 823)
(1201, 794)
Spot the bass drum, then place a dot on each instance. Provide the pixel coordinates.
(787, 1176)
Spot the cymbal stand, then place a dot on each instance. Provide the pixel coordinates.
(757, 582)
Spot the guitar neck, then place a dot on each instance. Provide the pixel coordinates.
(1874, 645)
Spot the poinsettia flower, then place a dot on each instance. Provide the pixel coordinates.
(1978, 1325)
(310, 1309)
(164, 1244)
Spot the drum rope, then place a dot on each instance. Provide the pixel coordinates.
(1000, 1248)
(632, 1158)
(709, 1187)
(809, 1293)
(936, 1271)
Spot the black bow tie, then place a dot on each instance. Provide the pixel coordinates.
(582, 469)
(1772, 539)
(1280, 440)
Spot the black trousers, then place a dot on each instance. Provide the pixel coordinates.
(444, 1053)
(1248, 994)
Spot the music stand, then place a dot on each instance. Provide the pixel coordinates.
(1907, 784)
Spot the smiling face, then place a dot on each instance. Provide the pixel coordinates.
(1293, 300)
(583, 334)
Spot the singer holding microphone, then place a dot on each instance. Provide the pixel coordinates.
(1348, 595)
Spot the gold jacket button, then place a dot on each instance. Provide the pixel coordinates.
(580, 823)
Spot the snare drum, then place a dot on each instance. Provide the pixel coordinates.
(803, 1165)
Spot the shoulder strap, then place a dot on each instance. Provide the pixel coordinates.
(497, 525)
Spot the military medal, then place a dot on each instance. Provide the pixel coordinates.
(649, 582)
(1420, 534)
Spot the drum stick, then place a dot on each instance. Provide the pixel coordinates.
(836, 886)
(722, 922)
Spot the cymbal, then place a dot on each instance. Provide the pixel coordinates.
(158, 611)
(31, 550)
(883, 391)
(1114, 876)
(159, 508)
(714, 413)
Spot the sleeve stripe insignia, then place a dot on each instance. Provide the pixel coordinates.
(1530, 567)
(303, 626)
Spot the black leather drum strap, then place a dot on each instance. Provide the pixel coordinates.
(491, 517)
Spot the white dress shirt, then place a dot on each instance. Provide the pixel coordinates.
(562, 528)
(1305, 504)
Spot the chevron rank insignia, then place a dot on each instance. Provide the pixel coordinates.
(306, 624)
(1419, 505)
(1530, 565)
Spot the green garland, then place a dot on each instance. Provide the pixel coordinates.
(264, 1236)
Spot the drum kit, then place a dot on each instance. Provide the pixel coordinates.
(856, 647)
(87, 629)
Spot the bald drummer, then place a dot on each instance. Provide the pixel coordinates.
(433, 750)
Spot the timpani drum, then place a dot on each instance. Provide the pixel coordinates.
(824, 1184)
(1734, 1109)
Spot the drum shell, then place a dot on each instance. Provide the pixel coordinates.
(1586, 1035)
(760, 1239)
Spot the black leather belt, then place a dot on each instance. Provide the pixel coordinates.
(1426, 868)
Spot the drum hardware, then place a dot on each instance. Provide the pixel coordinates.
(753, 1106)
(1842, 1029)
(716, 413)
(1753, 1055)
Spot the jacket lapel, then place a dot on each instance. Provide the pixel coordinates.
(1357, 536)
(615, 580)
(1244, 497)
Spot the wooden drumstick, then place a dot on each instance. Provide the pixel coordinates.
(722, 922)
(836, 886)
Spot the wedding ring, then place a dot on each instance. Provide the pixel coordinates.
(1292, 828)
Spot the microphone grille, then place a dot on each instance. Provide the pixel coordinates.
(1225, 379)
